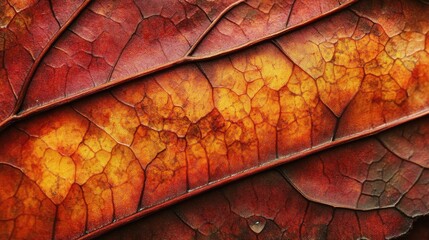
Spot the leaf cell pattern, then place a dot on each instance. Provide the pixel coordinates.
(114, 41)
(378, 189)
(219, 115)
(27, 29)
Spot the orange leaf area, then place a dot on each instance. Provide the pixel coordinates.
(115, 41)
(369, 189)
(147, 142)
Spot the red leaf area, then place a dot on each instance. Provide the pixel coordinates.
(307, 115)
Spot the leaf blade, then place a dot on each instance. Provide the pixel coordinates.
(203, 124)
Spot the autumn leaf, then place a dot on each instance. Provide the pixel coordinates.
(152, 103)
(368, 189)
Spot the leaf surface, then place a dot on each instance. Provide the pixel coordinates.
(27, 29)
(115, 41)
(220, 115)
(368, 189)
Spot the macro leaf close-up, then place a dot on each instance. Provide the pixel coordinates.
(202, 119)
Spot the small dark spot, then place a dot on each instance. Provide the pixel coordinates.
(194, 131)
(377, 30)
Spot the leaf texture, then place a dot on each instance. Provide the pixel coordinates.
(221, 115)
(27, 30)
(369, 189)
(115, 41)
